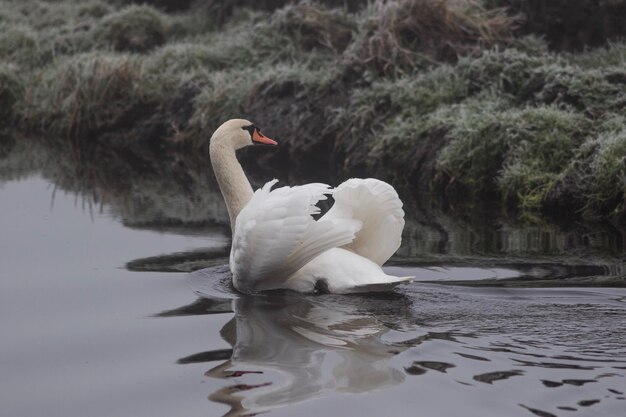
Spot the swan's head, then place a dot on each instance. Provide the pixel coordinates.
(240, 133)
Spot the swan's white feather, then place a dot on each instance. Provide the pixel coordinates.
(275, 235)
(376, 204)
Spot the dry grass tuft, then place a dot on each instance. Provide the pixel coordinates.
(18, 44)
(400, 36)
(85, 93)
(313, 26)
(133, 29)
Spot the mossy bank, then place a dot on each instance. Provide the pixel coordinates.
(461, 103)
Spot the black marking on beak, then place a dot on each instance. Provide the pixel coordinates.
(250, 129)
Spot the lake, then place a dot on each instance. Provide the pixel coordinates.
(102, 315)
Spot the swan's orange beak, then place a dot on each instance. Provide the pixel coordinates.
(258, 137)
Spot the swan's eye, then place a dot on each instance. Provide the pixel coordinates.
(250, 129)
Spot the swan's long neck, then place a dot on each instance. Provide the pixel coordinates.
(233, 182)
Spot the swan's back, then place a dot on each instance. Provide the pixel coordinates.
(278, 244)
(275, 235)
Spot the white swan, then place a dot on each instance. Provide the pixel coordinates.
(276, 242)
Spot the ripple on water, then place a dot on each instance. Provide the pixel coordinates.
(553, 350)
(490, 377)
(213, 282)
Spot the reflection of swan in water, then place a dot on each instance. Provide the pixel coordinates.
(316, 344)
(288, 348)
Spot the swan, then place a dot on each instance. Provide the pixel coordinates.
(277, 244)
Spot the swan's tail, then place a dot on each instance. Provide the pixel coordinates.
(381, 286)
(376, 205)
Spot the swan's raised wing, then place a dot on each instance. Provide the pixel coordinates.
(275, 235)
(376, 204)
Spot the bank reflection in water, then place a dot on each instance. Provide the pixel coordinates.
(294, 348)
(150, 190)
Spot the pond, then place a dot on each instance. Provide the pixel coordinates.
(101, 316)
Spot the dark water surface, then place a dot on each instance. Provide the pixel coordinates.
(99, 318)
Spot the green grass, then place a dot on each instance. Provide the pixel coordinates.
(18, 45)
(542, 142)
(511, 73)
(608, 171)
(220, 99)
(597, 175)
(226, 94)
(514, 121)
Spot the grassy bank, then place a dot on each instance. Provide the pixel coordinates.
(465, 101)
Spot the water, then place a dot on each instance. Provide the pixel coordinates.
(98, 320)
